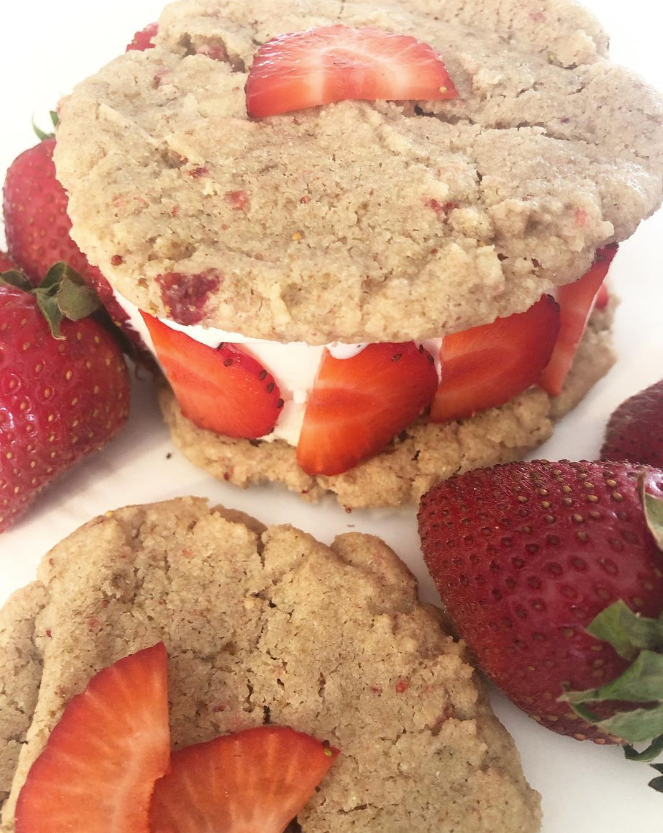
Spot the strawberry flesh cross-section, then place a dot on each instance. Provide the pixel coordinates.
(486, 366)
(224, 390)
(576, 301)
(339, 63)
(256, 780)
(98, 769)
(358, 405)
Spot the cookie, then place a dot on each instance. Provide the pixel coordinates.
(268, 625)
(421, 456)
(357, 221)
(21, 664)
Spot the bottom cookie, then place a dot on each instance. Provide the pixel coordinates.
(267, 625)
(421, 456)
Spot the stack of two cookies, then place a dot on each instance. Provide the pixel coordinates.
(312, 283)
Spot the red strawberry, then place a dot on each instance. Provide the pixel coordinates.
(60, 399)
(525, 556)
(99, 766)
(602, 297)
(38, 227)
(635, 430)
(358, 405)
(257, 780)
(486, 366)
(576, 301)
(337, 63)
(224, 390)
(6, 263)
(36, 222)
(144, 39)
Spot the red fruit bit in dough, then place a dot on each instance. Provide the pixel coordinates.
(239, 200)
(144, 39)
(185, 296)
(338, 63)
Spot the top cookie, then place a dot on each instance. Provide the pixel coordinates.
(359, 221)
(268, 625)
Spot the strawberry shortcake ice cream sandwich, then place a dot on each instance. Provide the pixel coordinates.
(366, 242)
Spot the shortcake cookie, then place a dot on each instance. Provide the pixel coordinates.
(334, 223)
(268, 625)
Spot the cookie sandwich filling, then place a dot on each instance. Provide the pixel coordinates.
(314, 396)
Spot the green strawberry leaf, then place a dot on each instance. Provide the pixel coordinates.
(42, 133)
(75, 299)
(649, 754)
(17, 279)
(657, 784)
(653, 506)
(48, 304)
(626, 631)
(62, 294)
(637, 726)
(642, 682)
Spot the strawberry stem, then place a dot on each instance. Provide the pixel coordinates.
(62, 295)
(640, 639)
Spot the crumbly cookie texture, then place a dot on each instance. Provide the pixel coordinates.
(359, 221)
(269, 625)
(421, 456)
(21, 664)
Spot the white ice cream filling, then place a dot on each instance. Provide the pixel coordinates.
(293, 365)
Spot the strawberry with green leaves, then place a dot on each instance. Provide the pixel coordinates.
(38, 228)
(526, 556)
(64, 384)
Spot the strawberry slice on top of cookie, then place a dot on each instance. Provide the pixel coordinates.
(368, 250)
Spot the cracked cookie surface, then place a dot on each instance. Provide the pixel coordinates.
(359, 221)
(421, 456)
(268, 624)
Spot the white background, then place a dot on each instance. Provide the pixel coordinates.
(46, 47)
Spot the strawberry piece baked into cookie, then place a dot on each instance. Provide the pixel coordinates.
(369, 243)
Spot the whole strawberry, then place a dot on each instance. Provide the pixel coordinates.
(64, 385)
(526, 556)
(635, 430)
(38, 228)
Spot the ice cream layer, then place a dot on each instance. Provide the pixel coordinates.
(293, 365)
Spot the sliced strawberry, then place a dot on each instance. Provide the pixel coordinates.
(99, 766)
(224, 390)
(576, 301)
(144, 39)
(486, 366)
(337, 63)
(602, 297)
(359, 405)
(252, 781)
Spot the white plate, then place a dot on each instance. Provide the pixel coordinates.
(47, 47)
